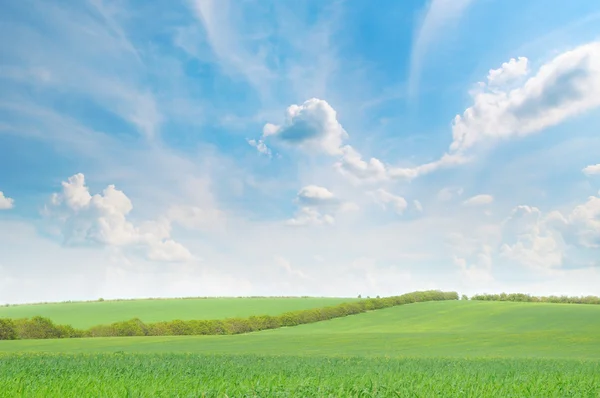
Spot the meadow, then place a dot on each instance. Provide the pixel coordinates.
(91, 313)
(181, 375)
(439, 348)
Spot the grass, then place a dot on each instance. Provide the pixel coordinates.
(87, 314)
(455, 329)
(180, 375)
(448, 348)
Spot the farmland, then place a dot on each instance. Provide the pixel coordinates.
(87, 314)
(181, 375)
(454, 348)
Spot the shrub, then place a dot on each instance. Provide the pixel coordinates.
(8, 330)
(37, 328)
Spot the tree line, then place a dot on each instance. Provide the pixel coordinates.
(537, 299)
(43, 328)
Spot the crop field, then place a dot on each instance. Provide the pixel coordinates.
(181, 375)
(87, 314)
(446, 348)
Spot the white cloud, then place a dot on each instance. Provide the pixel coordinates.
(418, 206)
(508, 72)
(592, 169)
(319, 206)
(260, 147)
(307, 216)
(564, 87)
(385, 198)
(439, 14)
(315, 195)
(199, 218)
(102, 219)
(581, 227)
(287, 266)
(229, 45)
(6, 202)
(312, 126)
(479, 270)
(530, 241)
(353, 166)
(449, 193)
(479, 200)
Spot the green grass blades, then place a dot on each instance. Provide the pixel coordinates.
(87, 314)
(181, 375)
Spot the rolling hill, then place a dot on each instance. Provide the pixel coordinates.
(458, 329)
(91, 313)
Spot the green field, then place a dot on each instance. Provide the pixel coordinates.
(448, 348)
(87, 314)
(434, 329)
(180, 375)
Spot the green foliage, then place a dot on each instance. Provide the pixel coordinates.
(464, 297)
(8, 329)
(43, 328)
(172, 375)
(520, 297)
(40, 328)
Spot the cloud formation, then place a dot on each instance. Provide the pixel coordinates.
(385, 199)
(102, 219)
(6, 202)
(318, 206)
(564, 87)
(312, 126)
(508, 72)
(479, 200)
(593, 169)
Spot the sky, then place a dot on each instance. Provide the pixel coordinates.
(322, 148)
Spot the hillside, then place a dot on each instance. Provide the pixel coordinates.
(433, 329)
(87, 314)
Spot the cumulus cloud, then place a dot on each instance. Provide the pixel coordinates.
(593, 169)
(260, 146)
(529, 240)
(101, 219)
(318, 206)
(385, 199)
(315, 195)
(479, 269)
(581, 227)
(310, 216)
(353, 166)
(508, 72)
(479, 200)
(312, 126)
(564, 87)
(6, 202)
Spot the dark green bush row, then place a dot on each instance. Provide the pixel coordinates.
(537, 299)
(42, 328)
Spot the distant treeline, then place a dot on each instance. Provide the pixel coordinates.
(537, 299)
(43, 328)
(102, 300)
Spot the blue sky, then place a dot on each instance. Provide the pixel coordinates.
(334, 148)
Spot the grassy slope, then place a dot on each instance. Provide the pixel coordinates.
(433, 329)
(87, 314)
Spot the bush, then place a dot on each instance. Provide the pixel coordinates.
(520, 297)
(8, 330)
(37, 328)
